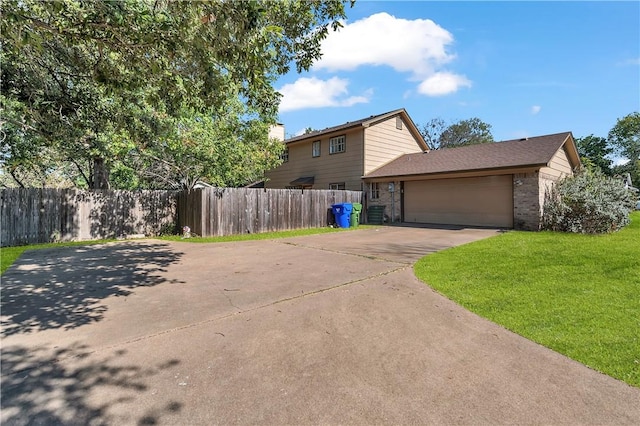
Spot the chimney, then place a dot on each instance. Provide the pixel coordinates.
(277, 132)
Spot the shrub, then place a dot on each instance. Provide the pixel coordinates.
(588, 203)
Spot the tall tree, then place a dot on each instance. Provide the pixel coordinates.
(464, 132)
(595, 150)
(432, 131)
(89, 75)
(625, 138)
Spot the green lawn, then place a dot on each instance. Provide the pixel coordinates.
(263, 236)
(576, 294)
(8, 255)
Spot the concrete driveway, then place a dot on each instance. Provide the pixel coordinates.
(326, 329)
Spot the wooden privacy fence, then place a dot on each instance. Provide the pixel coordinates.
(37, 215)
(229, 211)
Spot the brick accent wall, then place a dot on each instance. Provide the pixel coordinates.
(528, 198)
(385, 200)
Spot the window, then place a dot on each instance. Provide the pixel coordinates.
(336, 185)
(285, 155)
(398, 123)
(315, 149)
(337, 144)
(374, 193)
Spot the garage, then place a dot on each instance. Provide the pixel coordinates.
(475, 201)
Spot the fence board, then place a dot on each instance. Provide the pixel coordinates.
(232, 211)
(42, 215)
(37, 215)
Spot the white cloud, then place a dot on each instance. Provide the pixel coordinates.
(535, 109)
(632, 61)
(443, 83)
(315, 93)
(418, 47)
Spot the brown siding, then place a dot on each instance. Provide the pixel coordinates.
(385, 142)
(327, 168)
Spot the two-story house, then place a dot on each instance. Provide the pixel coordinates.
(498, 185)
(338, 157)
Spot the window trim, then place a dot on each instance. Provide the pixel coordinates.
(315, 154)
(374, 191)
(335, 143)
(285, 155)
(336, 186)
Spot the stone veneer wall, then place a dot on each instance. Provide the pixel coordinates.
(528, 198)
(385, 200)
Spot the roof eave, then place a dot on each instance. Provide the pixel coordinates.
(451, 172)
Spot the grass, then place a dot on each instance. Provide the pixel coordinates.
(8, 255)
(262, 236)
(576, 294)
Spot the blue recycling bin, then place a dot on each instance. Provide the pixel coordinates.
(342, 213)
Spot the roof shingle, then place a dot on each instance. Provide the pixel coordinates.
(535, 151)
(347, 125)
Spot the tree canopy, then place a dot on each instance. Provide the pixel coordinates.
(595, 151)
(623, 141)
(127, 87)
(464, 132)
(625, 136)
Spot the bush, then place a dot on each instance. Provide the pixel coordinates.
(588, 203)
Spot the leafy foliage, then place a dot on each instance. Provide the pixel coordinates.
(594, 151)
(464, 132)
(86, 80)
(218, 147)
(589, 203)
(625, 136)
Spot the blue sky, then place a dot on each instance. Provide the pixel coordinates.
(526, 68)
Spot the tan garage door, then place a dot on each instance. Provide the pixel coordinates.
(479, 201)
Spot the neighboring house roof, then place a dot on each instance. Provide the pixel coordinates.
(305, 180)
(527, 152)
(364, 122)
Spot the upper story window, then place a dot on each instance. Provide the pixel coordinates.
(315, 149)
(285, 155)
(337, 144)
(399, 123)
(374, 194)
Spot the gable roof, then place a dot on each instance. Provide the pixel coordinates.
(528, 152)
(363, 122)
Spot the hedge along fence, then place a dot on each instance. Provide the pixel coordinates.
(35, 215)
(232, 211)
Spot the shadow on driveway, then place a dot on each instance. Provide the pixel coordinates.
(66, 290)
(38, 389)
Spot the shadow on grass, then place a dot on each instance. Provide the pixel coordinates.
(64, 287)
(39, 389)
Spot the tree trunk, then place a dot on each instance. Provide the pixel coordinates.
(100, 174)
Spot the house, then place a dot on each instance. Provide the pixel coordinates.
(498, 185)
(338, 157)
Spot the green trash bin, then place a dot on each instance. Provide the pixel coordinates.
(355, 214)
(375, 214)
